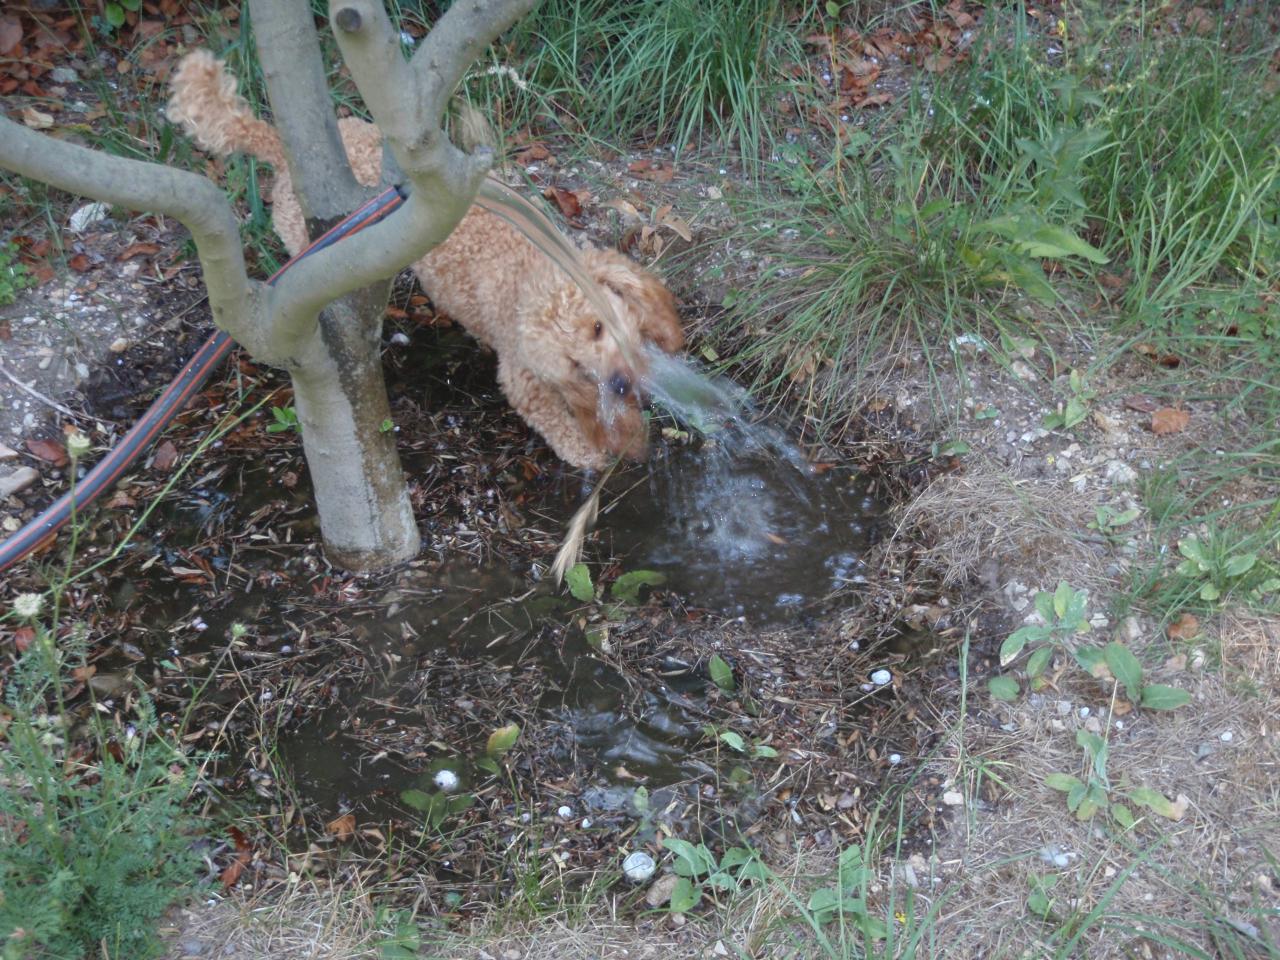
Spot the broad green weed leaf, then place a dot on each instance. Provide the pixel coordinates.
(627, 587)
(734, 740)
(1064, 782)
(502, 740)
(1038, 661)
(1240, 564)
(1124, 667)
(579, 580)
(721, 673)
(685, 895)
(1157, 696)
(1003, 688)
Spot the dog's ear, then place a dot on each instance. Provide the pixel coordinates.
(644, 294)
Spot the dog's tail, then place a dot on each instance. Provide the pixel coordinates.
(206, 104)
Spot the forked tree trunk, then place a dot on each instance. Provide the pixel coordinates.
(341, 400)
(322, 319)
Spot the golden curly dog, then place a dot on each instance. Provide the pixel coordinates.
(557, 366)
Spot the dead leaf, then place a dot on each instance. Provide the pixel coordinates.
(567, 201)
(938, 62)
(166, 456)
(624, 207)
(22, 638)
(533, 153)
(51, 451)
(875, 100)
(665, 217)
(343, 828)
(1199, 20)
(659, 171)
(80, 263)
(10, 33)
(139, 250)
(1169, 420)
(37, 119)
(1141, 403)
(1186, 627)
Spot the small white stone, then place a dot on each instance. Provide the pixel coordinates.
(399, 339)
(586, 823)
(638, 867)
(565, 812)
(1084, 712)
(953, 798)
(445, 780)
(1226, 736)
(895, 759)
(881, 677)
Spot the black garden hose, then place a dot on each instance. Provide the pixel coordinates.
(169, 404)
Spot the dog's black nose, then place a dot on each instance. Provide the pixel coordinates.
(619, 384)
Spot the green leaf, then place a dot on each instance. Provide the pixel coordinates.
(1040, 905)
(721, 673)
(386, 426)
(1123, 816)
(627, 587)
(1090, 658)
(1156, 802)
(1076, 795)
(114, 14)
(1015, 642)
(1058, 242)
(1157, 696)
(1003, 688)
(1064, 782)
(685, 895)
(416, 799)
(1193, 550)
(1062, 599)
(1096, 749)
(579, 580)
(762, 751)
(1044, 606)
(1038, 661)
(734, 740)
(502, 740)
(1240, 564)
(1210, 592)
(833, 8)
(691, 860)
(1124, 666)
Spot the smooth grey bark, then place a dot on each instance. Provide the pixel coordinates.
(322, 319)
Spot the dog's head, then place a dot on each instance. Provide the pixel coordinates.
(597, 369)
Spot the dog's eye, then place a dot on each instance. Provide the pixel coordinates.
(599, 329)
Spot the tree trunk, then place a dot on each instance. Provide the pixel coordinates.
(366, 519)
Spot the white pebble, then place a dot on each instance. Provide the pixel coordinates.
(446, 780)
(586, 823)
(1084, 712)
(565, 812)
(881, 677)
(1226, 736)
(638, 867)
(895, 759)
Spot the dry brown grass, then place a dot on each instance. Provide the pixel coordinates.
(985, 526)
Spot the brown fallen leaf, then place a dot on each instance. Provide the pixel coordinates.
(139, 250)
(166, 456)
(533, 153)
(665, 217)
(1141, 403)
(1186, 627)
(23, 637)
(659, 171)
(938, 62)
(875, 100)
(567, 201)
(343, 828)
(80, 263)
(51, 451)
(1169, 420)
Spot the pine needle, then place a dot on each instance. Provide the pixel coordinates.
(570, 551)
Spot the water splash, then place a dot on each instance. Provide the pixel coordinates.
(738, 517)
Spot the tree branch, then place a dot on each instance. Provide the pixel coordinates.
(189, 198)
(293, 68)
(441, 180)
(455, 42)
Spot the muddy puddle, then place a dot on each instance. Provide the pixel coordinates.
(373, 697)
